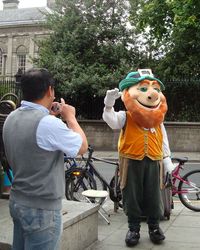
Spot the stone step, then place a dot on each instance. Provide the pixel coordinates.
(80, 225)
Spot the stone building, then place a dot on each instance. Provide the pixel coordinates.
(20, 29)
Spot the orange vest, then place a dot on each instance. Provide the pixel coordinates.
(136, 142)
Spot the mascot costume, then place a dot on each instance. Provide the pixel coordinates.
(143, 148)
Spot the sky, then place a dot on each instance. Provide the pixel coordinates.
(28, 3)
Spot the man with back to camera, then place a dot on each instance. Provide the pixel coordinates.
(35, 141)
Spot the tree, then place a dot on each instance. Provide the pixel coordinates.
(172, 28)
(90, 48)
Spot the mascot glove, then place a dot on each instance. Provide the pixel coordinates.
(168, 165)
(111, 96)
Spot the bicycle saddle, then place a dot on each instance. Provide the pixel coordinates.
(181, 160)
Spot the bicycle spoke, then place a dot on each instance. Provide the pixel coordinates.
(189, 190)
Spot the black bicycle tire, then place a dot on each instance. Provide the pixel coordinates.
(97, 179)
(84, 174)
(118, 201)
(181, 197)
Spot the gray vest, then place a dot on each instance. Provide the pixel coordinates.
(38, 173)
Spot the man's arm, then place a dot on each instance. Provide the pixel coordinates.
(67, 113)
(115, 120)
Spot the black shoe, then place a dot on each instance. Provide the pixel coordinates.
(132, 238)
(156, 235)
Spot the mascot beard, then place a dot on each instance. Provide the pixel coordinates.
(143, 116)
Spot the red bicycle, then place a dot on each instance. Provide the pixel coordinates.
(188, 186)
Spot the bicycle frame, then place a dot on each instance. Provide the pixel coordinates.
(113, 186)
(94, 171)
(70, 162)
(176, 176)
(89, 167)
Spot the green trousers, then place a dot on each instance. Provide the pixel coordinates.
(141, 195)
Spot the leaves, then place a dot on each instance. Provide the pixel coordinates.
(90, 49)
(174, 28)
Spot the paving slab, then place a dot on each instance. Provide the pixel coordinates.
(182, 231)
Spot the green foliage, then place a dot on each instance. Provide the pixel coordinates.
(183, 99)
(90, 49)
(172, 30)
(6, 86)
(156, 15)
(3, 90)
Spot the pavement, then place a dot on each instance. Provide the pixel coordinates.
(182, 230)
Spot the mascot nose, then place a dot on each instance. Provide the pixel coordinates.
(153, 96)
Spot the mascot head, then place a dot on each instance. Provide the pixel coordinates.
(143, 98)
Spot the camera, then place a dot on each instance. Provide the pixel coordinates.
(55, 107)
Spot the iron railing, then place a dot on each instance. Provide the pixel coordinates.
(182, 97)
(8, 84)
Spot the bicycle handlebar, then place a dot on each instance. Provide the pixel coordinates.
(90, 157)
(106, 161)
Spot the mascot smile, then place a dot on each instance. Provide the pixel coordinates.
(144, 99)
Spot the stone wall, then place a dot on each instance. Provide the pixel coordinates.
(183, 137)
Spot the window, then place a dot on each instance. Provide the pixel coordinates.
(22, 62)
(21, 58)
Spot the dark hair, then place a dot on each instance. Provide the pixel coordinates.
(35, 82)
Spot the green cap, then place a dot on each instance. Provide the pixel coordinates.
(134, 78)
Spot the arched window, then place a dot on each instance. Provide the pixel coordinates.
(21, 58)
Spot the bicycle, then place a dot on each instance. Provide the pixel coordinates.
(188, 187)
(81, 174)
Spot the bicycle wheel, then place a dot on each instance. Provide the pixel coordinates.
(190, 190)
(100, 184)
(78, 181)
(95, 174)
(116, 198)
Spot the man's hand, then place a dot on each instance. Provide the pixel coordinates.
(67, 111)
(168, 165)
(111, 96)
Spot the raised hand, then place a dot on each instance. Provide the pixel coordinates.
(111, 96)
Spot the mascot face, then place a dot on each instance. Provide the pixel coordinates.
(146, 103)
